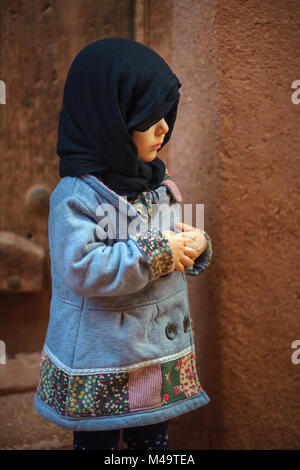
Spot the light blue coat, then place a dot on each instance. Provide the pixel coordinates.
(119, 349)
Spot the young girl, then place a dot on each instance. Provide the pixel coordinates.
(119, 350)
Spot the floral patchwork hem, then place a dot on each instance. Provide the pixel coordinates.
(146, 389)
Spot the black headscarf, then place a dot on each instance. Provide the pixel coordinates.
(114, 86)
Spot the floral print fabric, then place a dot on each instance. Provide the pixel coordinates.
(180, 379)
(115, 393)
(157, 250)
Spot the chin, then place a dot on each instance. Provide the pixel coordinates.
(148, 158)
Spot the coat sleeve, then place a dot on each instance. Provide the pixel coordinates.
(90, 267)
(203, 261)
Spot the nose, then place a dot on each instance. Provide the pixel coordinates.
(163, 125)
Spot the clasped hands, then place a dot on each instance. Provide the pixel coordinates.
(186, 245)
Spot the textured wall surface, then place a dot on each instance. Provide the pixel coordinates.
(195, 163)
(39, 41)
(236, 150)
(257, 257)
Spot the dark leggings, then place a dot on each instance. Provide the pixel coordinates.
(154, 436)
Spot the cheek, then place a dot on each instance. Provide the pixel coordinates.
(144, 142)
(149, 138)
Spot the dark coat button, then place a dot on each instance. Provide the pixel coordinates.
(171, 331)
(186, 324)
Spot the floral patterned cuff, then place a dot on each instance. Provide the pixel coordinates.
(157, 251)
(203, 261)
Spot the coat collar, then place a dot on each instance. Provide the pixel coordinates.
(142, 203)
(172, 186)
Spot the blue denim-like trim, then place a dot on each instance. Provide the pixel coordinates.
(203, 261)
(129, 420)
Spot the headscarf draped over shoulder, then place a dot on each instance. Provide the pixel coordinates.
(114, 86)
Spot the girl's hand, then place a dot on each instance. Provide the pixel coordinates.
(183, 255)
(194, 238)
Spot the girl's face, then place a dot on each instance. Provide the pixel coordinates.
(147, 142)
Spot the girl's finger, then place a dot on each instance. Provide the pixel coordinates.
(186, 235)
(189, 235)
(191, 246)
(196, 235)
(180, 267)
(190, 252)
(187, 260)
(184, 227)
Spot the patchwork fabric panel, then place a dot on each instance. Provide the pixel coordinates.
(96, 395)
(144, 388)
(85, 395)
(53, 384)
(117, 393)
(171, 388)
(180, 379)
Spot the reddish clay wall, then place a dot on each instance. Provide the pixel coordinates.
(235, 149)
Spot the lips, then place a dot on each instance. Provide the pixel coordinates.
(157, 146)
